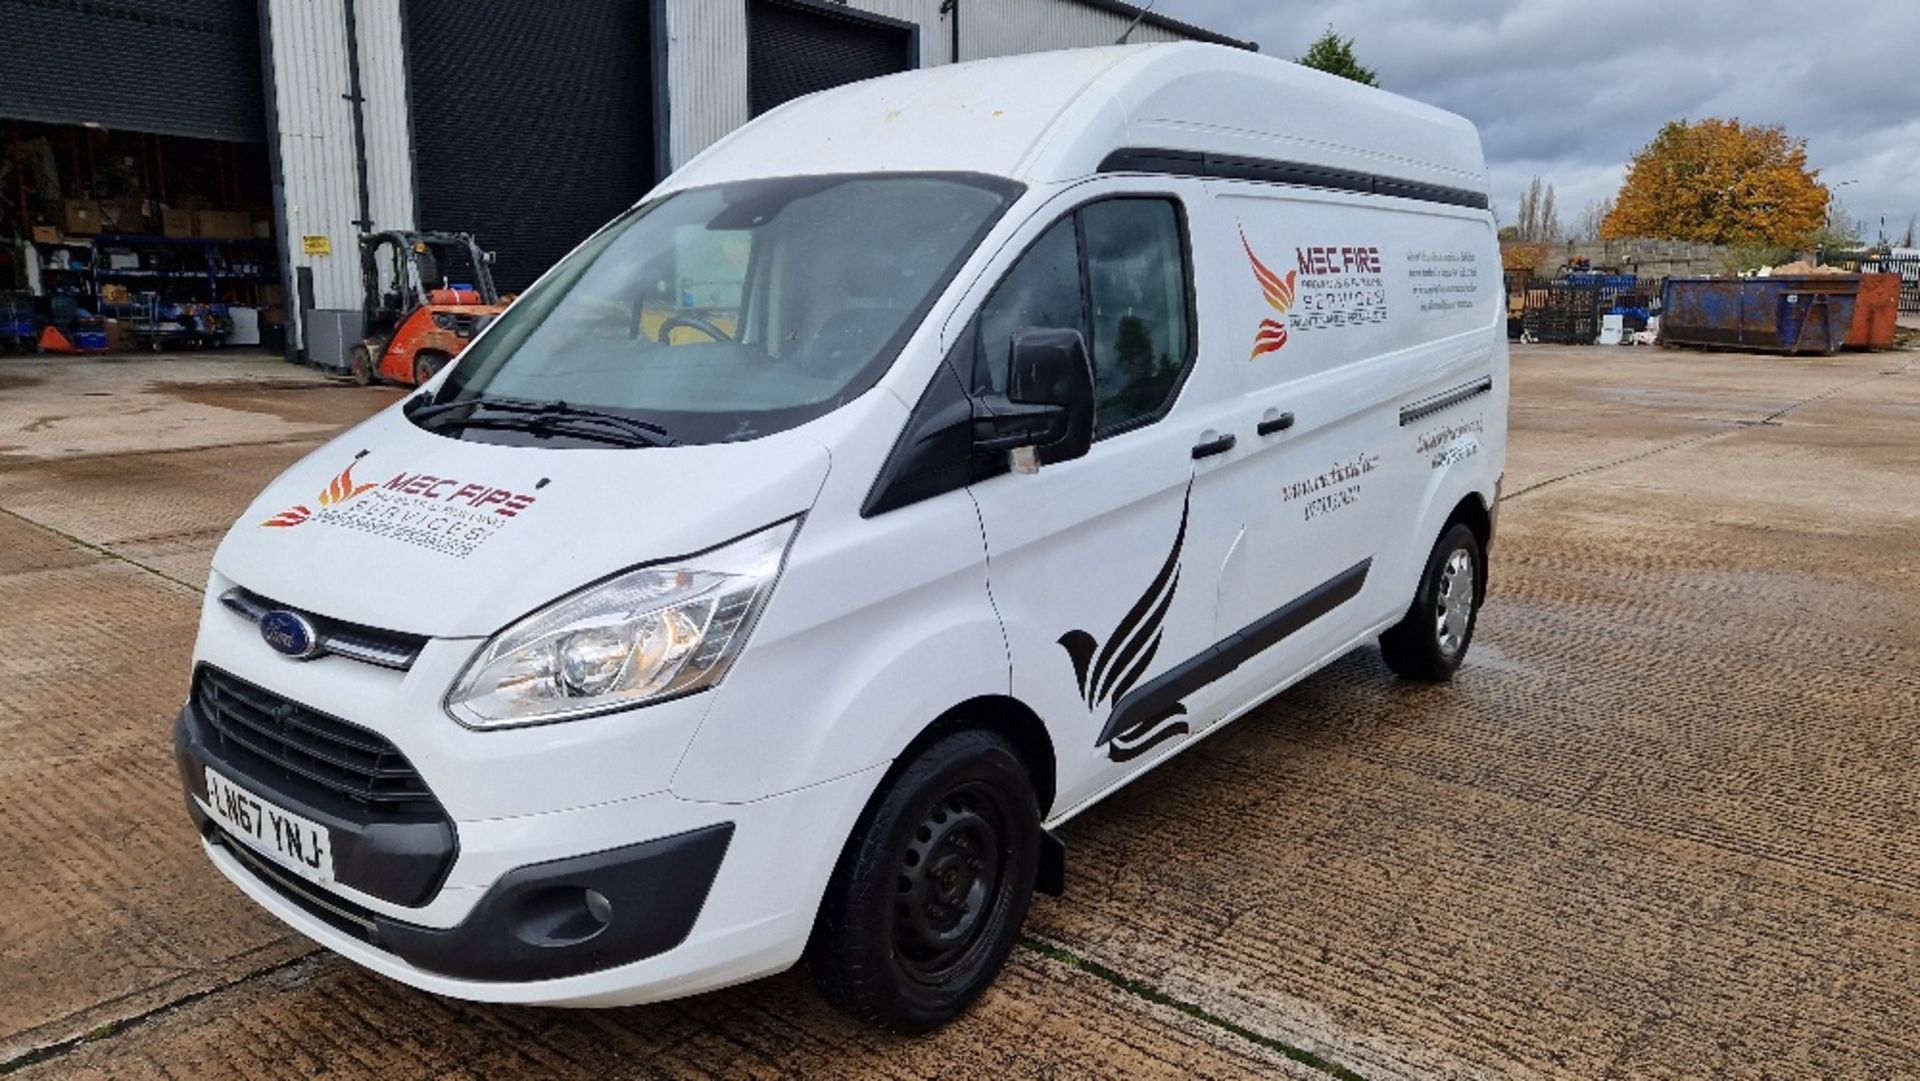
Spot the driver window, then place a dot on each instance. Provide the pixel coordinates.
(1042, 290)
(1125, 257)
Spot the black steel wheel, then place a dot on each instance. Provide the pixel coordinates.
(932, 888)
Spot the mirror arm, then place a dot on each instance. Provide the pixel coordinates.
(1001, 425)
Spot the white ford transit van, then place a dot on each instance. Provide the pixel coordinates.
(918, 465)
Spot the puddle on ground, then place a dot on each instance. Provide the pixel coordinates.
(297, 403)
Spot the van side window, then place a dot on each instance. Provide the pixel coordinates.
(1137, 282)
(1116, 271)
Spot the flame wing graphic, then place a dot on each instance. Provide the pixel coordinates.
(338, 491)
(1278, 292)
(342, 488)
(293, 516)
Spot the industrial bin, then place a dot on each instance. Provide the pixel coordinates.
(1787, 313)
(1876, 314)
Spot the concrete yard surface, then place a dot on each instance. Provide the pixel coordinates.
(1666, 821)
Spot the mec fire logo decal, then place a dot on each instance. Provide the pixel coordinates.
(1278, 292)
(441, 514)
(1335, 286)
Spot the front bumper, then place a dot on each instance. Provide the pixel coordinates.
(721, 893)
(533, 924)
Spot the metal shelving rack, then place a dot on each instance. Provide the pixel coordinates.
(207, 262)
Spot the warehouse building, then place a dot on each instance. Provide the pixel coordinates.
(206, 176)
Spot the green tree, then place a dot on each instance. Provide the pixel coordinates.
(1333, 54)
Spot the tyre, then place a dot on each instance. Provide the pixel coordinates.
(932, 888)
(427, 364)
(360, 364)
(1432, 640)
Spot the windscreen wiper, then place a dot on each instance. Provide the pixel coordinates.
(553, 415)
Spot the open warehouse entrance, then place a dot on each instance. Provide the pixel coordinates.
(135, 197)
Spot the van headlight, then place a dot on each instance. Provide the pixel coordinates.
(644, 635)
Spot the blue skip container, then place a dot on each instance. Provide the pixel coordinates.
(1791, 313)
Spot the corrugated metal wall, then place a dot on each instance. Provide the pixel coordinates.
(314, 121)
(383, 79)
(1008, 27)
(707, 62)
(707, 85)
(707, 49)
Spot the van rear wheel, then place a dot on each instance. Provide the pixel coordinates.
(1431, 641)
(932, 888)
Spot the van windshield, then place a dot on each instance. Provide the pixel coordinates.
(730, 312)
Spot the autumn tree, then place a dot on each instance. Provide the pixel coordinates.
(1720, 182)
(1333, 54)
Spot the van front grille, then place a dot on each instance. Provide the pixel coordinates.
(277, 739)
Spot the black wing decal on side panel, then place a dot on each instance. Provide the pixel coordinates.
(1105, 672)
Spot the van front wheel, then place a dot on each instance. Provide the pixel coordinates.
(933, 887)
(1431, 641)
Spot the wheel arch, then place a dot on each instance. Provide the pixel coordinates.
(1007, 717)
(1472, 512)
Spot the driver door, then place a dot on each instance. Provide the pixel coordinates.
(1104, 568)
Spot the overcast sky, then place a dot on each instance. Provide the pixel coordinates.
(1570, 90)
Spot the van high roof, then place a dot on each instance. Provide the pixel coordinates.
(1182, 107)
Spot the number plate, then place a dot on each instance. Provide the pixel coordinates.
(298, 844)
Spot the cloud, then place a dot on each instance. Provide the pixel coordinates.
(1570, 90)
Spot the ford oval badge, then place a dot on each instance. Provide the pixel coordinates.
(290, 633)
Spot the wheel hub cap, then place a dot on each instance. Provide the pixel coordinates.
(1454, 602)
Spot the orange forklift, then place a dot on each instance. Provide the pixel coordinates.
(427, 295)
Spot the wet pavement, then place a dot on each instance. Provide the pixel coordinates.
(1667, 821)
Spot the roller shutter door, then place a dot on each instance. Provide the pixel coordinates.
(532, 122)
(794, 50)
(170, 67)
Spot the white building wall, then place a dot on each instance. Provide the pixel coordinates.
(707, 49)
(318, 170)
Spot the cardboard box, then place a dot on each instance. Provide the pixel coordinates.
(222, 224)
(271, 295)
(120, 336)
(81, 217)
(273, 316)
(123, 216)
(263, 228)
(176, 223)
(46, 234)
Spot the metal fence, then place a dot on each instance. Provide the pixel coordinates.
(1864, 262)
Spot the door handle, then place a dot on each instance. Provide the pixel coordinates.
(1211, 447)
(1278, 424)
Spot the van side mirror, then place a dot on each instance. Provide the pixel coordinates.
(1047, 413)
